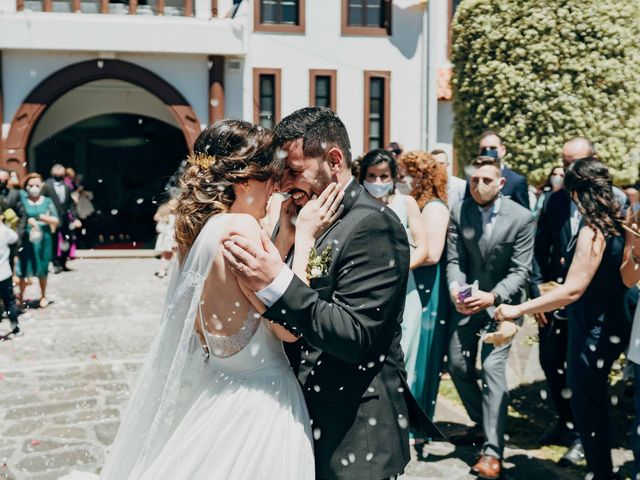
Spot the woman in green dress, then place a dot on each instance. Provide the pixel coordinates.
(37, 243)
(425, 180)
(378, 170)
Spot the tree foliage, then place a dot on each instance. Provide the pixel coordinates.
(543, 71)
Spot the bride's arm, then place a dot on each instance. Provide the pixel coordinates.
(314, 218)
(248, 227)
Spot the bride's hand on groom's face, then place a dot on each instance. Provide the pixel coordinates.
(256, 266)
(320, 212)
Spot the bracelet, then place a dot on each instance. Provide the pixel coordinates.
(635, 259)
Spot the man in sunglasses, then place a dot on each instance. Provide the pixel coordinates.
(515, 186)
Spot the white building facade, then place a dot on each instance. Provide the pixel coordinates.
(72, 70)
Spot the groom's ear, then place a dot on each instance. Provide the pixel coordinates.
(335, 159)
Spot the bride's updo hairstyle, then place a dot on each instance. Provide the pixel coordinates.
(225, 153)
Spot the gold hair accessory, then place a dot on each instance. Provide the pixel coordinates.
(201, 160)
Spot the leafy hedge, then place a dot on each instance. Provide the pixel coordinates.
(542, 71)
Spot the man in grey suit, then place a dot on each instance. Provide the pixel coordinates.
(490, 241)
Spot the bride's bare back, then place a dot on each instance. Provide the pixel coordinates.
(226, 312)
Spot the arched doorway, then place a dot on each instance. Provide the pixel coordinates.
(120, 126)
(125, 161)
(14, 154)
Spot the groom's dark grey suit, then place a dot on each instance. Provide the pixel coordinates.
(349, 361)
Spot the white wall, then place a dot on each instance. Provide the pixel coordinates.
(121, 33)
(23, 71)
(440, 113)
(323, 47)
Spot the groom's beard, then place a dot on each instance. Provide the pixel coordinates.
(317, 186)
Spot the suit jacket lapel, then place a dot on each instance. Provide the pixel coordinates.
(351, 194)
(471, 214)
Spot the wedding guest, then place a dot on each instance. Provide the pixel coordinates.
(426, 180)
(515, 186)
(633, 196)
(10, 199)
(37, 242)
(632, 247)
(554, 182)
(8, 237)
(70, 178)
(490, 242)
(455, 186)
(165, 243)
(59, 192)
(83, 200)
(378, 170)
(558, 228)
(395, 149)
(594, 291)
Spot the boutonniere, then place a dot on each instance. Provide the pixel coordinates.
(318, 265)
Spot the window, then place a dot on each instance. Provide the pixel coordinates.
(376, 109)
(280, 16)
(366, 17)
(266, 96)
(322, 88)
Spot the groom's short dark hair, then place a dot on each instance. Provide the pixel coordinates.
(320, 129)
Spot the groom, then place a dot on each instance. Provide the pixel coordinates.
(348, 360)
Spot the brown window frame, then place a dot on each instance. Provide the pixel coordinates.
(258, 26)
(386, 125)
(333, 76)
(367, 31)
(277, 73)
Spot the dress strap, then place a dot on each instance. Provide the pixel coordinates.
(205, 347)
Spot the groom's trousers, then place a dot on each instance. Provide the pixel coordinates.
(486, 406)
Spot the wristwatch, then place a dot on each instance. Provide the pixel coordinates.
(497, 299)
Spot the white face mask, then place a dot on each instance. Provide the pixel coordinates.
(405, 186)
(378, 190)
(556, 180)
(33, 191)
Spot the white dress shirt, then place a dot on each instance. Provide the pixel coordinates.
(7, 237)
(489, 215)
(60, 190)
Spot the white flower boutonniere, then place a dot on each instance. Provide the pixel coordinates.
(318, 265)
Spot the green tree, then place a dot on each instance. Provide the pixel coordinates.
(543, 71)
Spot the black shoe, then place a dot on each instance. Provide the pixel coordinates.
(57, 270)
(66, 269)
(573, 456)
(558, 435)
(16, 332)
(470, 436)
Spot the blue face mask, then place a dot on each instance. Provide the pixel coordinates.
(378, 190)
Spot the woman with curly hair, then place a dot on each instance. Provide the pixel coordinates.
(217, 383)
(601, 269)
(425, 179)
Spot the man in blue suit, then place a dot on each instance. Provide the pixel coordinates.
(515, 187)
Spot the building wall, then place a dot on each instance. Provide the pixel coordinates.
(23, 71)
(324, 47)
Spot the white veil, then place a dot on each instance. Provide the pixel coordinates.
(173, 366)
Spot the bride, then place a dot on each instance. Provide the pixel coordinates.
(216, 398)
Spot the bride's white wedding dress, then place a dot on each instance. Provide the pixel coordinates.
(237, 413)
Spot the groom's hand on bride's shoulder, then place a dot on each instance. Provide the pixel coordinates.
(255, 265)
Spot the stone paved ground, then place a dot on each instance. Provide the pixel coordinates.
(65, 382)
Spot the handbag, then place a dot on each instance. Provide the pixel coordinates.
(35, 235)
